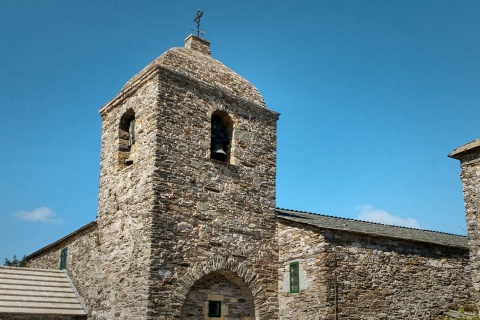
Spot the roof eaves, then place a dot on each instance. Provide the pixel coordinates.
(429, 236)
(54, 244)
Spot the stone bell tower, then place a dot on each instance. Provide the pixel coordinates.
(187, 193)
(469, 156)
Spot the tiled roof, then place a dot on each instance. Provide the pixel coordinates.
(38, 292)
(371, 228)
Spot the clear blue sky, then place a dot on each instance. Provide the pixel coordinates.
(373, 95)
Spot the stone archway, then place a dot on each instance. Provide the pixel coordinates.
(219, 295)
(234, 272)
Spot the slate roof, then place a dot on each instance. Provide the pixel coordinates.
(28, 291)
(376, 229)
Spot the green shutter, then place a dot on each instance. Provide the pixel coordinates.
(294, 277)
(63, 259)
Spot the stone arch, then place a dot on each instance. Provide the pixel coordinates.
(231, 267)
(219, 295)
(126, 139)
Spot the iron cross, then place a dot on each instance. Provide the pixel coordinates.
(197, 20)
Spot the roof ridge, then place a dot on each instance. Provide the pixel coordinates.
(370, 222)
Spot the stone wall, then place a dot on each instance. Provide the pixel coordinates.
(174, 208)
(470, 177)
(367, 277)
(172, 216)
(177, 228)
(83, 265)
(126, 203)
(208, 209)
(224, 287)
(109, 263)
(308, 248)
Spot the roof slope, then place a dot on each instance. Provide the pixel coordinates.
(376, 229)
(202, 67)
(199, 66)
(38, 292)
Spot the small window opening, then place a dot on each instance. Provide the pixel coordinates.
(215, 309)
(221, 136)
(127, 139)
(63, 259)
(294, 277)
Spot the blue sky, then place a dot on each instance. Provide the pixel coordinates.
(373, 95)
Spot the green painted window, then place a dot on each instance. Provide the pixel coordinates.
(215, 309)
(63, 259)
(294, 277)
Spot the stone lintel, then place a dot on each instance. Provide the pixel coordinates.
(466, 149)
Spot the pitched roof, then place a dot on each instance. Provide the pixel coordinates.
(38, 292)
(376, 229)
(194, 64)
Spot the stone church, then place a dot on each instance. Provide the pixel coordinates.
(187, 226)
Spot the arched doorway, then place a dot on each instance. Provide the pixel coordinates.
(220, 295)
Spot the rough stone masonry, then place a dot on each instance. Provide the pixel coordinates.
(187, 226)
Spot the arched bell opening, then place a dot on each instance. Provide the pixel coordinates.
(219, 295)
(127, 139)
(221, 136)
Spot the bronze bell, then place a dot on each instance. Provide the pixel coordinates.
(221, 152)
(218, 152)
(129, 160)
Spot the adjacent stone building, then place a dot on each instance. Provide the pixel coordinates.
(187, 226)
(352, 269)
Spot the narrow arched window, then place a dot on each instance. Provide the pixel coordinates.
(221, 136)
(126, 146)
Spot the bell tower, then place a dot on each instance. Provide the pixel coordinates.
(187, 192)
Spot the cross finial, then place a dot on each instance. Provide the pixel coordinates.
(197, 20)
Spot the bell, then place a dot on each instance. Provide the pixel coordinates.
(131, 155)
(129, 160)
(220, 154)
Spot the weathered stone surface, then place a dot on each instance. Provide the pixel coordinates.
(235, 297)
(368, 277)
(171, 217)
(176, 228)
(469, 156)
(212, 208)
